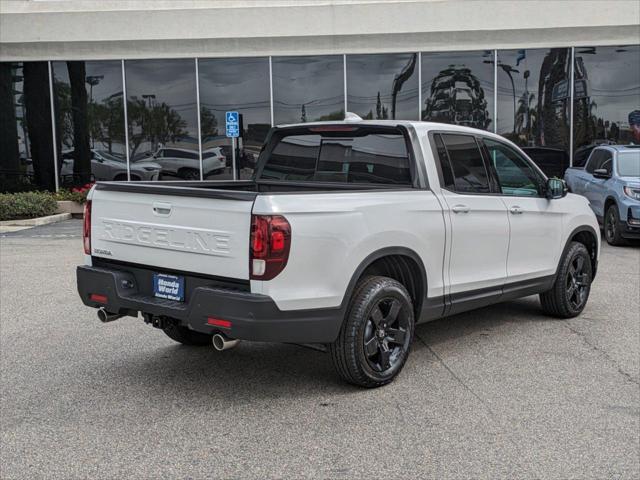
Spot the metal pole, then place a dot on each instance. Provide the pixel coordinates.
(199, 128)
(53, 128)
(126, 118)
(271, 89)
(571, 86)
(419, 86)
(233, 157)
(344, 79)
(495, 91)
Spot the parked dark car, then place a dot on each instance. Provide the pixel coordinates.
(552, 161)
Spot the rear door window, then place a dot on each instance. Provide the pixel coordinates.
(469, 171)
(358, 155)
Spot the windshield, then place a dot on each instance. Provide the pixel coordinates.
(629, 164)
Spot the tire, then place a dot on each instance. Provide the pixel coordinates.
(185, 336)
(570, 292)
(612, 230)
(376, 335)
(189, 174)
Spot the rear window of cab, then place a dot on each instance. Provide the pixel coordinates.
(339, 154)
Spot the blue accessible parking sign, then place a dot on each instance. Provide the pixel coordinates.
(232, 124)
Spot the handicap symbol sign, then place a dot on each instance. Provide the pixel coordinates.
(232, 124)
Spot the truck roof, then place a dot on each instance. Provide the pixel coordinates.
(619, 148)
(419, 126)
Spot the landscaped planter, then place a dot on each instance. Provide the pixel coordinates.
(68, 206)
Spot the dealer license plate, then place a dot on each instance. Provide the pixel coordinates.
(170, 287)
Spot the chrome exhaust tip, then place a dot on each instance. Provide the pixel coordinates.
(106, 317)
(222, 342)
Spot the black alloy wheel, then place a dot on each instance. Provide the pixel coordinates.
(578, 282)
(570, 291)
(386, 339)
(612, 232)
(375, 339)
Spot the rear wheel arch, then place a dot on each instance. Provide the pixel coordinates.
(400, 263)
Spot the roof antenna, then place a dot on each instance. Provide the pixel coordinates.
(352, 117)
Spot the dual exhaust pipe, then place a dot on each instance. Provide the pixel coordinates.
(106, 317)
(220, 341)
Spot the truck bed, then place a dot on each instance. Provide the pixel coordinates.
(234, 190)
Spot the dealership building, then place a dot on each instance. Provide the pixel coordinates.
(138, 90)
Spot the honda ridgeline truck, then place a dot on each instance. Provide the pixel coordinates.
(348, 235)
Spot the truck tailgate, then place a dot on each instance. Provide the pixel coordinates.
(205, 234)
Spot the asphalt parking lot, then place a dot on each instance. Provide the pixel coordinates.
(503, 392)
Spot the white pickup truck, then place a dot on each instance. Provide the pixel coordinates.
(349, 234)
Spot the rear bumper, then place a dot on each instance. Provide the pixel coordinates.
(253, 317)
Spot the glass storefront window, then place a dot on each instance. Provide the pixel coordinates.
(240, 85)
(606, 98)
(383, 86)
(163, 122)
(26, 138)
(90, 122)
(457, 88)
(308, 89)
(533, 104)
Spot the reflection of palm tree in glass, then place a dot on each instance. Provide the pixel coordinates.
(508, 69)
(552, 125)
(457, 97)
(399, 80)
(526, 114)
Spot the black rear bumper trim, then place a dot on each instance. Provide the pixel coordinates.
(253, 317)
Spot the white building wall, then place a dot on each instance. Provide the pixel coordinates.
(93, 29)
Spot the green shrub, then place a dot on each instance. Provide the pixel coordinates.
(14, 206)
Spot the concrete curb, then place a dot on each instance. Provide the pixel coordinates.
(35, 222)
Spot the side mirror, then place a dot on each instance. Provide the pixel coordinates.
(556, 188)
(601, 173)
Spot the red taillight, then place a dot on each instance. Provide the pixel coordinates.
(270, 244)
(86, 228)
(216, 322)
(94, 297)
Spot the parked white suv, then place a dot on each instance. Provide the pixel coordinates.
(185, 164)
(349, 234)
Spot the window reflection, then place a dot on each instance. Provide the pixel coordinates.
(383, 86)
(533, 104)
(606, 98)
(457, 88)
(308, 89)
(90, 124)
(162, 117)
(26, 139)
(241, 85)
